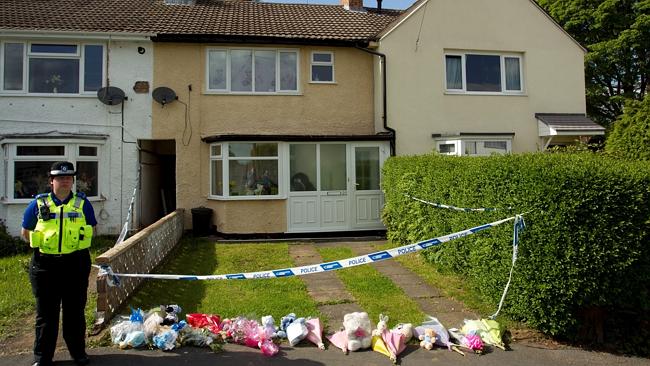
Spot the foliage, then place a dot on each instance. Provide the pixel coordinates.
(11, 245)
(617, 35)
(630, 136)
(587, 231)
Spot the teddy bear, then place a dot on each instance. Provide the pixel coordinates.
(171, 316)
(358, 330)
(284, 323)
(428, 338)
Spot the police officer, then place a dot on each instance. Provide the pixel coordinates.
(59, 226)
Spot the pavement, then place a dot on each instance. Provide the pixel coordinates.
(334, 302)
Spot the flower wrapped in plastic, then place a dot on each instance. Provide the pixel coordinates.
(209, 321)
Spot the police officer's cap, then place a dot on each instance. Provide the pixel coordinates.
(62, 168)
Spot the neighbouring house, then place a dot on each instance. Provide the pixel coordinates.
(476, 77)
(54, 58)
(264, 112)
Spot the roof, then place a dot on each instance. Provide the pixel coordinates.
(569, 122)
(239, 19)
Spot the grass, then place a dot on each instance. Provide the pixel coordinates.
(375, 293)
(16, 298)
(228, 298)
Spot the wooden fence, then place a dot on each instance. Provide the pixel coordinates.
(140, 253)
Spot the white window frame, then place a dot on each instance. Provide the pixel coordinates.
(71, 153)
(321, 63)
(27, 54)
(228, 90)
(462, 142)
(502, 57)
(225, 165)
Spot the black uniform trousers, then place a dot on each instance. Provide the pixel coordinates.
(60, 281)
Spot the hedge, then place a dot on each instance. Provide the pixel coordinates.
(586, 239)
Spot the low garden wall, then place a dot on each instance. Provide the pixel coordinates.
(140, 253)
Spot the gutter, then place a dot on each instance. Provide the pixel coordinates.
(391, 131)
(115, 36)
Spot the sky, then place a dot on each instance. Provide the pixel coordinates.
(386, 4)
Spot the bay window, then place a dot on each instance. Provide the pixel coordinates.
(483, 73)
(29, 165)
(244, 169)
(51, 68)
(263, 71)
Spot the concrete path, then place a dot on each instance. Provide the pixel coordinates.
(333, 300)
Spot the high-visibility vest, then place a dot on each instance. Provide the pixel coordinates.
(63, 230)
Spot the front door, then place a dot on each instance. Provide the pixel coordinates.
(366, 197)
(334, 186)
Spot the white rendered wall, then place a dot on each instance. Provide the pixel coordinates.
(87, 115)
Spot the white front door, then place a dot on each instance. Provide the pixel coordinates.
(335, 186)
(366, 197)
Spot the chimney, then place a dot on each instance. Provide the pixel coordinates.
(356, 5)
(379, 6)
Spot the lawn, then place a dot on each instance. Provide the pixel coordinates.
(16, 299)
(228, 298)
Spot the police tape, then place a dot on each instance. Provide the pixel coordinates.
(313, 268)
(454, 208)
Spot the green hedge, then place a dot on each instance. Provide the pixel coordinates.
(586, 240)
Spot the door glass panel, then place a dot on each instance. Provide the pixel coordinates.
(366, 161)
(302, 167)
(332, 167)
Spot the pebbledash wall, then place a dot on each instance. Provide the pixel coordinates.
(67, 119)
(341, 108)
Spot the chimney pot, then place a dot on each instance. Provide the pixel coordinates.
(352, 4)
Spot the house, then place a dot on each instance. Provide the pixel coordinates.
(274, 126)
(54, 58)
(476, 77)
(275, 117)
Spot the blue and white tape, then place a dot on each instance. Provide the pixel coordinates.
(454, 208)
(320, 267)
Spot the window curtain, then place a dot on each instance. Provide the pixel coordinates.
(513, 80)
(454, 72)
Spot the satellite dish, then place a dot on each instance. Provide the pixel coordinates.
(111, 95)
(164, 95)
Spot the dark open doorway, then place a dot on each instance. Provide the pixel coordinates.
(157, 180)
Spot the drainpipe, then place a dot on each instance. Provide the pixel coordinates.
(383, 86)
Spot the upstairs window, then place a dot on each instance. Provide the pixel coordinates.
(483, 73)
(322, 67)
(263, 71)
(51, 68)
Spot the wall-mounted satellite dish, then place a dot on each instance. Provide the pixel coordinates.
(111, 95)
(164, 95)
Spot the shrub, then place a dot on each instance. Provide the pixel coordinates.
(630, 136)
(10, 245)
(586, 240)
